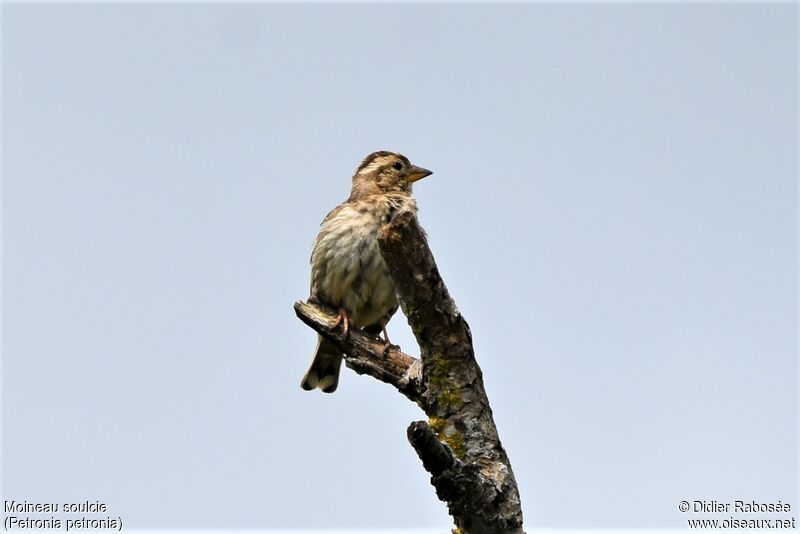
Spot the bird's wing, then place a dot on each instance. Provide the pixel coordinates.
(319, 262)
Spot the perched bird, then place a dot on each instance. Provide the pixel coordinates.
(347, 270)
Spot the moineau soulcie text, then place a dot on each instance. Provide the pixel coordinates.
(95, 507)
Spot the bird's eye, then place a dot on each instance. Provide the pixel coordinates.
(397, 166)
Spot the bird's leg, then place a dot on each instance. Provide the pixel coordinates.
(344, 320)
(388, 344)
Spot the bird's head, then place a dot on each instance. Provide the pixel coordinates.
(386, 172)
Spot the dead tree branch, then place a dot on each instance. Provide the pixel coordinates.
(364, 354)
(459, 445)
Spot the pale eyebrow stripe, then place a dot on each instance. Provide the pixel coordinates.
(374, 165)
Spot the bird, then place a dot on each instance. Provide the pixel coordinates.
(348, 272)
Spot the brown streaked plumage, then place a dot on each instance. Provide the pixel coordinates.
(347, 270)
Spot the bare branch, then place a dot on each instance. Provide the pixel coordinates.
(436, 457)
(482, 495)
(365, 354)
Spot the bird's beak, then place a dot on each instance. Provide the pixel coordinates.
(417, 173)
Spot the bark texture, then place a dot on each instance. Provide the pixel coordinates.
(458, 445)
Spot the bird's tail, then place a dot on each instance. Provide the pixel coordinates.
(324, 370)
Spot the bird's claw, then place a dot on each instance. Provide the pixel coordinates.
(344, 320)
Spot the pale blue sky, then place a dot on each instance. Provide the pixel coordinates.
(614, 209)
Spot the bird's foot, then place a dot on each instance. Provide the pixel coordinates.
(387, 344)
(344, 320)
